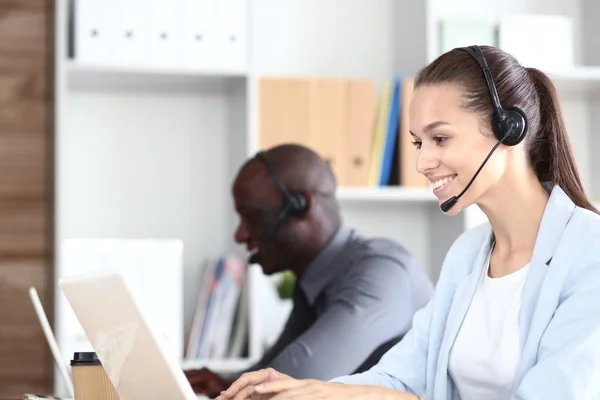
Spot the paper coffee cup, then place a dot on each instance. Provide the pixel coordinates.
(90, 381)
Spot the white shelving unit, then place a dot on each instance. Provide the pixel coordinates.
(150, 151)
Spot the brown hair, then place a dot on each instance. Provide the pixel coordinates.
(547, 141)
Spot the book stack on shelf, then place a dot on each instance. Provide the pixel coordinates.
(220, 326)
(238, 313)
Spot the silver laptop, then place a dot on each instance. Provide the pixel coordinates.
(137, 360)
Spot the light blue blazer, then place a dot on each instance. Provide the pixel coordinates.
(560, 316)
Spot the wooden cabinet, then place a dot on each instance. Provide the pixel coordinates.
(26, 192)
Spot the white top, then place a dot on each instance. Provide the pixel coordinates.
(487, 348)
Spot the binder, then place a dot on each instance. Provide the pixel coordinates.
(164, 33)
(360, 126)
(94, 32)
(391, 135)
(296, 113)
(329, 116)
(377, 148)
(131, 41)
(198, 34)
(409, 176)
(232, 35)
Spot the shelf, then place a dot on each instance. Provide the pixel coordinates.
(149, 78)
(394, 194)
(580, 81)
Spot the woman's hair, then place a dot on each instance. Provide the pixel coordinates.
(547, 141)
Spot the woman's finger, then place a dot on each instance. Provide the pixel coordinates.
(279, 385)
(306, 392)
(244, 393)
(248, 378)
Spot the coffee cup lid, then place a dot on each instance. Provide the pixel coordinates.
(85, 358)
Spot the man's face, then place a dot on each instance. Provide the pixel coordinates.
(258, 203)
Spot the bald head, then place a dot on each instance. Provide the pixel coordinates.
(299, 168)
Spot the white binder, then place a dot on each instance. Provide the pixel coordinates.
(165, 34)
(232, 35)
(198, 44)
(132, 33)
(93, 32)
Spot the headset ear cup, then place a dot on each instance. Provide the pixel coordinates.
(513, 125)
(298, 203)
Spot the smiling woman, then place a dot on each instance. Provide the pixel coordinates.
(516, 304)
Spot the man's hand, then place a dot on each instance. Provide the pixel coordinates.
(206, 382)
(244, 386)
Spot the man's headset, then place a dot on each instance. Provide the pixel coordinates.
(509, 123)
(293, 202)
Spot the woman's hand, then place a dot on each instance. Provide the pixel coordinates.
(310, 389)
(244, 386)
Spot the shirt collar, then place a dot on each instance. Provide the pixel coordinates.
(322, 269)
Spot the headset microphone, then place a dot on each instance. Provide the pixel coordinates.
(448, 204)
(253, 259)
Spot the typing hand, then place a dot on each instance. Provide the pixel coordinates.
(310, 389)
(206, 382)
(244, 386)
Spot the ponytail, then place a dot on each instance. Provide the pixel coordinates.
(550, 152)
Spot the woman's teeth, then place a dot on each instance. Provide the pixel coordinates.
(441, 182)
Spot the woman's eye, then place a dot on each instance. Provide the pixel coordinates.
(439, 139)
(417, 144)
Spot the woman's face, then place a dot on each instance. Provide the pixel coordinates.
(451, 145)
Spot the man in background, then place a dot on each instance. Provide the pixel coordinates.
(354, 296)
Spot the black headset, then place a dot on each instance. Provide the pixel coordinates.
(509, 123)
(294, 203)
